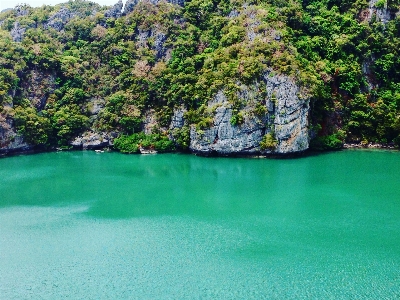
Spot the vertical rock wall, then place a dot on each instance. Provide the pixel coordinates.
(290, 113)
(10, 140)
(223, 137)
(286, 119)
(382, 14)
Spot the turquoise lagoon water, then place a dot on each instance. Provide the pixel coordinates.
(82, 225)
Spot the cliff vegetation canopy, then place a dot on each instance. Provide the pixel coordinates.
(78, 67)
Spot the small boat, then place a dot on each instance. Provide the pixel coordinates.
(147, 151)
(99, 151)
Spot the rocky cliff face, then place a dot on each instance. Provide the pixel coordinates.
(290, 113)
(223, 137)
(286, 118)
(382, 14)
(115, 11)
(285, 115)
(10, 140)
(90, 140)
(17, 32)
(36, 88)
(271, 106)
(58, 20)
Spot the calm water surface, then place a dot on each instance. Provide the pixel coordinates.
(81, 225)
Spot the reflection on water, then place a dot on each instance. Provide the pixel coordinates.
(87, 225)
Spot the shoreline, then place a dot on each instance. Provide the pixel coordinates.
(369, 146)
(294, 155)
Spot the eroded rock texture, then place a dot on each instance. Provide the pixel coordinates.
(59, 19)
(223, 137)
(93, 140)
(286, 118)
(36, 88)
(115, 11)
(290, 113)
(17, 32)
(10, 140)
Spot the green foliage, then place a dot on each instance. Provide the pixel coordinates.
(237, 118)
(260, 109)
(182, 137)
(11, 63)
(127, 144)
(132, 143)
(35, 129)
(380, 4)
(122, 113)
(204, 123)
(73, 96)
(328, 142)
(350, 56)
(234, 34)
(160, 57)
(164, 116)
(67, 122)
(268, 142)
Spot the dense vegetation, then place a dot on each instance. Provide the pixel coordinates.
(160, 57)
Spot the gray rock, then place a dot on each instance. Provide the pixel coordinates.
(59, 19)
(150, 121)
(91, 140)
(143, 37)
(178, 120)
(38, 86)
(225, 138)
(17, 32)
(21, 10)
(233, 14)
(382, 14)
(115, 11)
(10, 141)
(177, 2)
(287, 118)
(290, 114)
(252, 25)
(368, 75)
(159, 40)
(130, 6)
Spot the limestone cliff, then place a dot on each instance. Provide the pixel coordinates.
(119, 72)
(285, 117)
(10, 140)
(35, 88)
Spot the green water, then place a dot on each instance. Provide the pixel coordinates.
(82, 225)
